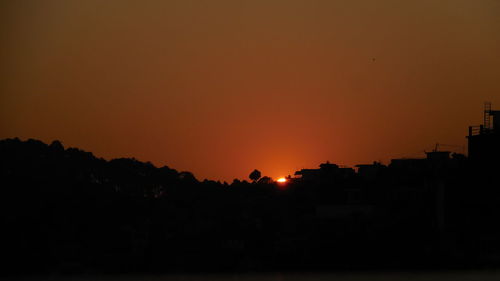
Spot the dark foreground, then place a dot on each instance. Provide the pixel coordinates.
(387, 276)
(67, 211)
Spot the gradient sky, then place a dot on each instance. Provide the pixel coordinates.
(220, 88)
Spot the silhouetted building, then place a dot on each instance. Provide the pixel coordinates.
(370, 172)
(438, 156)
(408, 169)
(326, 173)
(308, 174)
(438, 161)
(484, 140)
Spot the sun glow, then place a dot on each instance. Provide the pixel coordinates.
(281, 180)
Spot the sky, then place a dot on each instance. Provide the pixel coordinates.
(222, 87)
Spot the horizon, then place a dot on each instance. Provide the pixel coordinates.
(277, 179)
(222, 88)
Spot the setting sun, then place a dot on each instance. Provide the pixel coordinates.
(281, 180)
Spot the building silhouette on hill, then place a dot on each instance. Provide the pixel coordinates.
(484, 140)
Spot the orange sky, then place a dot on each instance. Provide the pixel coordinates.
(220, 88)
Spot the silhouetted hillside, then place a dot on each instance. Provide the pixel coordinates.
(65, 210)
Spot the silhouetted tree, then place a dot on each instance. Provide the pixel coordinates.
(255, 175)
(56, 145)
(265, 180)
(187, 177)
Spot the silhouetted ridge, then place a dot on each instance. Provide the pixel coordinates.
(65, 210)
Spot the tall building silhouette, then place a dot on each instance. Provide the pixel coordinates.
(484, 140)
